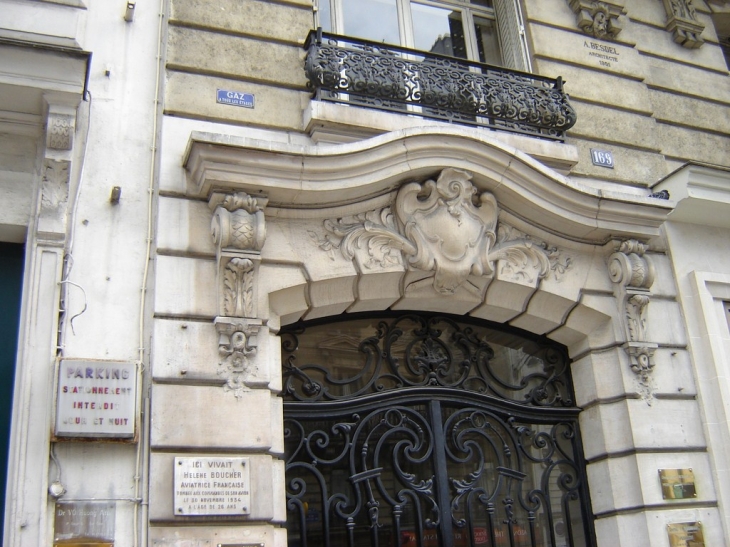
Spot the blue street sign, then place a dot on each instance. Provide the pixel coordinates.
(235, 98)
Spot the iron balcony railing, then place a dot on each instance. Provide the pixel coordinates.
(392, 78)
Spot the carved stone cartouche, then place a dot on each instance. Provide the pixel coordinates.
(444, 226)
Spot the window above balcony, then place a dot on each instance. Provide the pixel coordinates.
(487, 31)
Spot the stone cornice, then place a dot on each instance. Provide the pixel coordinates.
(296, 178)
(701, 192)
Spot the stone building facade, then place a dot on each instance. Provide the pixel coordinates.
(190, 179)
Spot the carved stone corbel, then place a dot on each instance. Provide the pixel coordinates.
(682, 22)
(634, 273)
(599, 19)
(239, 231)
(60, 129)
(237, 345)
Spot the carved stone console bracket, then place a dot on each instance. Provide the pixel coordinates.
(57, 162)
(237, 346)
(599, 19)
(633, 273)
(682, 22)
(445, 227)
(239, 231)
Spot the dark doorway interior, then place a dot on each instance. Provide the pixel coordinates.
(11, 282)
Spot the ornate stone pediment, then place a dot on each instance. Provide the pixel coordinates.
(443, 226)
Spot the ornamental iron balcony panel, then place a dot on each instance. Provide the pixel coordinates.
(397, 79)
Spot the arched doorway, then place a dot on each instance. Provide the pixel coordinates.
(425, 430)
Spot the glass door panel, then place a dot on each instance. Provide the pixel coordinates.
(487, 41)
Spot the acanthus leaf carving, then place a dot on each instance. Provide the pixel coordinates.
(238, 287)
(439, 226)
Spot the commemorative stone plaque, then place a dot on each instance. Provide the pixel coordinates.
(96, 399)
(212, 486)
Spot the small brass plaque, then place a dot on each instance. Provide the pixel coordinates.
(685, 534)
(677, 484)
(84, 523)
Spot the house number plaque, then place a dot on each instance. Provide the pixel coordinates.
(212, 486)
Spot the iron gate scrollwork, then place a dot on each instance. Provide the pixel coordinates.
(423, 431)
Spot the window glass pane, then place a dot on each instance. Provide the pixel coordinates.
(487, 41)
(325, 15)
(486, 3)
(438, 30)
(375, 20)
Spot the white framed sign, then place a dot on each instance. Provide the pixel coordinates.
(96, 399)
(212, 486)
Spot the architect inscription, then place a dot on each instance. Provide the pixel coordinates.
(606, 55)
(96, 399)
(212, 486)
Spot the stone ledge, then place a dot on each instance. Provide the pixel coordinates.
(338, 123)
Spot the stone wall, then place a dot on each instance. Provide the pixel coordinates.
(640, 95)
(250, 46)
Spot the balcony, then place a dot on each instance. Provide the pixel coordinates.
(397, 79)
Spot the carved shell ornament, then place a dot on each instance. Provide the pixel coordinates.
(444, 226)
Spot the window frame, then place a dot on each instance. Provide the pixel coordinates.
(508, 8)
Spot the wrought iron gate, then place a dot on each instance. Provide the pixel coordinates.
(420, 431)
